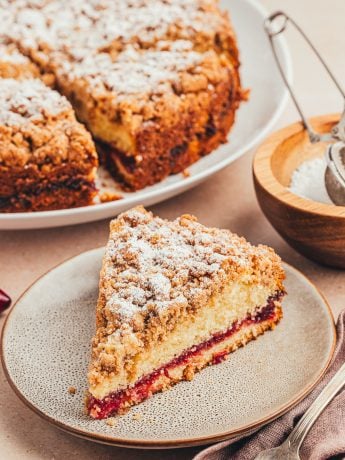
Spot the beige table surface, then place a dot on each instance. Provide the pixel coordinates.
(226, 200)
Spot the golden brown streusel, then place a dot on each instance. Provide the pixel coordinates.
(72, 390)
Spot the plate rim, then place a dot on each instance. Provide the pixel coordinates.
(33, 220)
(166, 444)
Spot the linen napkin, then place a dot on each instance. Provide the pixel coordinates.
(325, 440)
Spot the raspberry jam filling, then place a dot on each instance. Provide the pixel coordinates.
(147, 385)
(5, 301)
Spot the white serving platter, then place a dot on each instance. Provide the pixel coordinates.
(253, 122)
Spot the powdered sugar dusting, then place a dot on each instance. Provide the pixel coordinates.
(10, 55)
(152, 264)
(83, 25)
(135, 72)
(28, 100)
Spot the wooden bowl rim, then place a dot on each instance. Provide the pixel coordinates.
(268, 181)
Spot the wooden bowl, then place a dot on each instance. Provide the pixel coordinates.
(314, 229)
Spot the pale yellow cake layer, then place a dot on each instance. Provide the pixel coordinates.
(236, 301)
(187, 370)
(101, 125)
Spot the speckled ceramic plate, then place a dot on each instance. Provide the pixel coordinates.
(254, 120)
(46, 346)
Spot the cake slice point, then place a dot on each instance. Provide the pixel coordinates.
(174, 297)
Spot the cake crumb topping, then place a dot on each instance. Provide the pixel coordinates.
(81, 26)
(135, 71)
(152, 264)
(12, 55)
(72, 390)
(29, 100)
(111, 421)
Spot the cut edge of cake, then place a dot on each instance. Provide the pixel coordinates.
(47, 158)
(163, 310)
(165, 107)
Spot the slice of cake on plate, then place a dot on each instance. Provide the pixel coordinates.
(47, 158)
(174, 297)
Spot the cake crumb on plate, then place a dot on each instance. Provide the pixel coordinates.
(106, 197)
(112, 421)
(72, 390)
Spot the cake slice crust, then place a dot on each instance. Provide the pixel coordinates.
(166, 288)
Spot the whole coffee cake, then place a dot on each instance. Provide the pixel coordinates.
(156, 82)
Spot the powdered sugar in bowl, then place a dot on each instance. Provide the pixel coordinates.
(311, 224)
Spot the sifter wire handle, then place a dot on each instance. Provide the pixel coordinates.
(274, 28)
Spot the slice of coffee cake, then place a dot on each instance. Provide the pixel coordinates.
(174, 297)
(47, 159)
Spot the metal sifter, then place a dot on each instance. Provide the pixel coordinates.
(275, 24)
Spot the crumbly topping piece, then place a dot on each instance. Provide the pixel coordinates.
(152, 265)
(29, 101)
(80, 26)
(48, 146)
(109, 196)
(11, 55)
(13, 64)
(111, 421)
